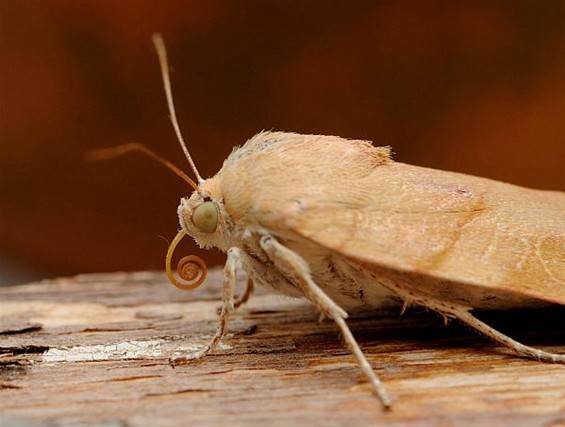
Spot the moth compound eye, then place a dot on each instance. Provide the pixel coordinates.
(205, 217)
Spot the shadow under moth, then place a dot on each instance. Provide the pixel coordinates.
(338, 222)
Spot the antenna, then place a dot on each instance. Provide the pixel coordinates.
(120, 150)
(163, 62)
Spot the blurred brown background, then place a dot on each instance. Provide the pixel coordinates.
(470, 86)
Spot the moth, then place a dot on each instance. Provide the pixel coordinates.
(338, 222)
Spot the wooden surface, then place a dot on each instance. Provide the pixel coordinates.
(94, 349)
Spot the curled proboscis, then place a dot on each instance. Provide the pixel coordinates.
(191, 269)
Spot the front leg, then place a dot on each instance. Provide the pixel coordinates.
(232, 262)
(293, 266)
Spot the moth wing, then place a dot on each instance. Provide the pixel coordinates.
(448, 235)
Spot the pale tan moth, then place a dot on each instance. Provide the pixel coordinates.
(338, 222)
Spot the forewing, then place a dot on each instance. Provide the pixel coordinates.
(448, 227)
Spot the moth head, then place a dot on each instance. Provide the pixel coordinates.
(203, 216)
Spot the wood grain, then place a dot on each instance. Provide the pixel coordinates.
(94, 349)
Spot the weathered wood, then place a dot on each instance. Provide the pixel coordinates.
(94, 350)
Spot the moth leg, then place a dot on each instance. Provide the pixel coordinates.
(294, 267)
(464, 315)
(245, 297)
(232, 262)
(519, 348)
(450, 311)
